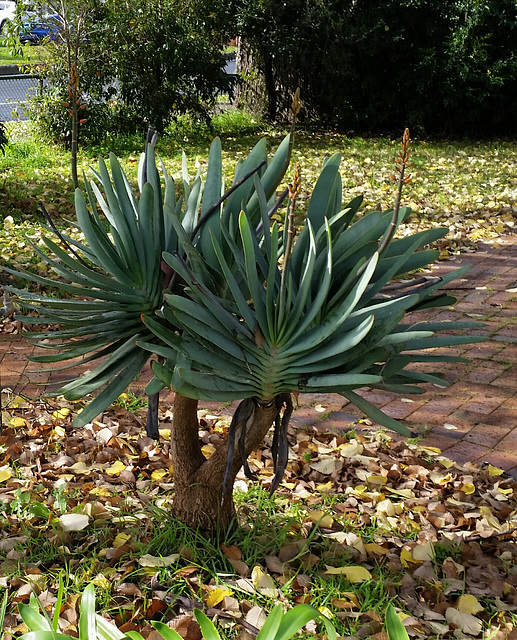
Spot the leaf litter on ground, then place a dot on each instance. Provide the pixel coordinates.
(365, 519)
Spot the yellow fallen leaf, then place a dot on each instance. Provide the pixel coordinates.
(101, 492)
(379, 480)
(505, 492)
(431, 450)
(406, 557)
(348, 600)
(165, 434)
(468, 488)
(16, 422)
(324, 487)
(326, 612)
(403, 493)
(158, 474)
(80, 467)
(441, 479)
(121, 539)
(101, 581)
(354, 573)
(59, 432)
(216, 596)
(60, 414)
(494, 471)
(208, 450)
(115, 468)
(263, 582)
(489, 518)
(445, 462)
(389, 508)
(5, 473)
(469, 604)
(321, 519)
(373, 547)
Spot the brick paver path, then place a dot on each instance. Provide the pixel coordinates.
(474, 419)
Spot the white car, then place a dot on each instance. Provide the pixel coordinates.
(7, 12)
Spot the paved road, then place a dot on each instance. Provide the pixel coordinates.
(13, 96)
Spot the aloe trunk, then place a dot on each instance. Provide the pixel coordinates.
(198, 481)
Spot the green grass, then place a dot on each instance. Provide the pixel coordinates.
(29, 55)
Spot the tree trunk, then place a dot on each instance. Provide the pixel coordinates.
(198, 500)
(250, 90)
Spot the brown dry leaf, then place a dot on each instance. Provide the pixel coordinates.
(274, 565)
(465, 621)
(232, 552)
(240, 567)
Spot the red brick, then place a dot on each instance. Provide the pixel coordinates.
(423, 418)
(444, 405)
(487, 374)
(486, 435)
(501, 459)
(444, 443)
(467, 452)
(509, 443)
(508, 353)
(401, 410)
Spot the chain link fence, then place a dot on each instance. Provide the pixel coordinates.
(15, 89)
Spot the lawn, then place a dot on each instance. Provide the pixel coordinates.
(29, 55)
(471, 187)
(360, 519)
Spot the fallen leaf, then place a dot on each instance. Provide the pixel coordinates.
(73, 521)
(120, 539)
(263, 582)
(216, 596)
(147, 560)
(469, 604)
(325, 466)
(352, 573)
(494, 471)
(321, 519)
(115, 468)
(465, 621)
(5, 473)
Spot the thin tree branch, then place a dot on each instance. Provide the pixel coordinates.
(225, 195)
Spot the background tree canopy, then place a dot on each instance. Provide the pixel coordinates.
(438, 67)
(447, 67)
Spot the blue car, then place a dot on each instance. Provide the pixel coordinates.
(36, 28)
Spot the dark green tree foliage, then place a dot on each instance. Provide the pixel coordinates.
(166, 55)
(439, 67)
(140, 63)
